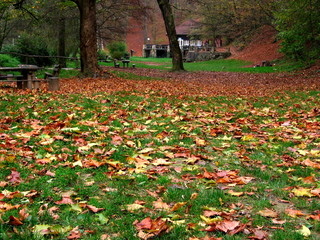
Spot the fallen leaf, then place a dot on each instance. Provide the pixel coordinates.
(278, 221)
(74, 234)
(178, 206)
(14, 221)
(14, 177)
(159, 204)
(304, 231)
(268, 213)
(65, 200)
(94, 209)
(133, 207)
(237, 194)
(302, 192)
(293, 213)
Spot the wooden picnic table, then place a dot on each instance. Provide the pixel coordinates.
(27, 72)
(125, 62)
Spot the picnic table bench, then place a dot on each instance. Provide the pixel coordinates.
(125, 63)
(27, 78)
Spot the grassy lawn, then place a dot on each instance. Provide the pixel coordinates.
(138, 166)
(223, 65)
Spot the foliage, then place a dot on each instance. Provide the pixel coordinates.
(298, 24)
(32, 45)
(8, 61)
(232, 19)
(118, 50)
(143, 166)
(102, 55)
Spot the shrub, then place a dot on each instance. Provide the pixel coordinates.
(102, 55)
(8, 61)
(32, 45)
(118, 50)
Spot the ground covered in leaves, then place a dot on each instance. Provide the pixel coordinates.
(197, 83)
(196, 156)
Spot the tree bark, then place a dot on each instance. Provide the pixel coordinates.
(88, 37)
(177, 62)
(62, 41)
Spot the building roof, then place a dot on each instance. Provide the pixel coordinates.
(186, 27)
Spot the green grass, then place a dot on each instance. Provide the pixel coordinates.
(162, 154)
(224, 65)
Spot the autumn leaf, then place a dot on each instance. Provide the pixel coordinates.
(268, 213)
(14, 177)
(94, 209)
(65, 200)
(14, 221)
(133, 207)
(177, 206)
(294, 213)
(302, 192)
(237, 194)
(149, 228)
(159, 204)
(74, 234)
(304, 231)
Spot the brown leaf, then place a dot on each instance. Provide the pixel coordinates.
(14, 221)
(74, 234)
(226, 226)
(159, 204)
(23, 214)
(94, 209)
(14, 177)
(144, 224)
(65, 200)
(259, 234)
(268, 213)
(51, 212)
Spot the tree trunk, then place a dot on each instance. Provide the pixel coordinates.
(88, 37)
(177, 63)
(62, 41)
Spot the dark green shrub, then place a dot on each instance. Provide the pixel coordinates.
(118, 50)
(32, 45)
(8, 61)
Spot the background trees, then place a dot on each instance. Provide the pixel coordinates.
(58, 26)
(298, 23)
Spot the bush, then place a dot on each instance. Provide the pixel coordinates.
(102, 55)
(118, 50)
(8, 61)
(32, 45)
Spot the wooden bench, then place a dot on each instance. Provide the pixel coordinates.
(51, 78)
(116, 64)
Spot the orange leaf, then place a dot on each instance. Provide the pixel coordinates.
(144, 224)
(294, 213)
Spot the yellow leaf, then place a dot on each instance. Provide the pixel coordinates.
(302, 192)
(304, 231)
(233, 193)
(209, 220)
(133, 207)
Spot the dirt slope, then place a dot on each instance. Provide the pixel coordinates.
(263, 47)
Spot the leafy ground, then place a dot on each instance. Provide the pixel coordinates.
(172, 156)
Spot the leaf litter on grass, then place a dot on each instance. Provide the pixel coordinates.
(145, 166)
